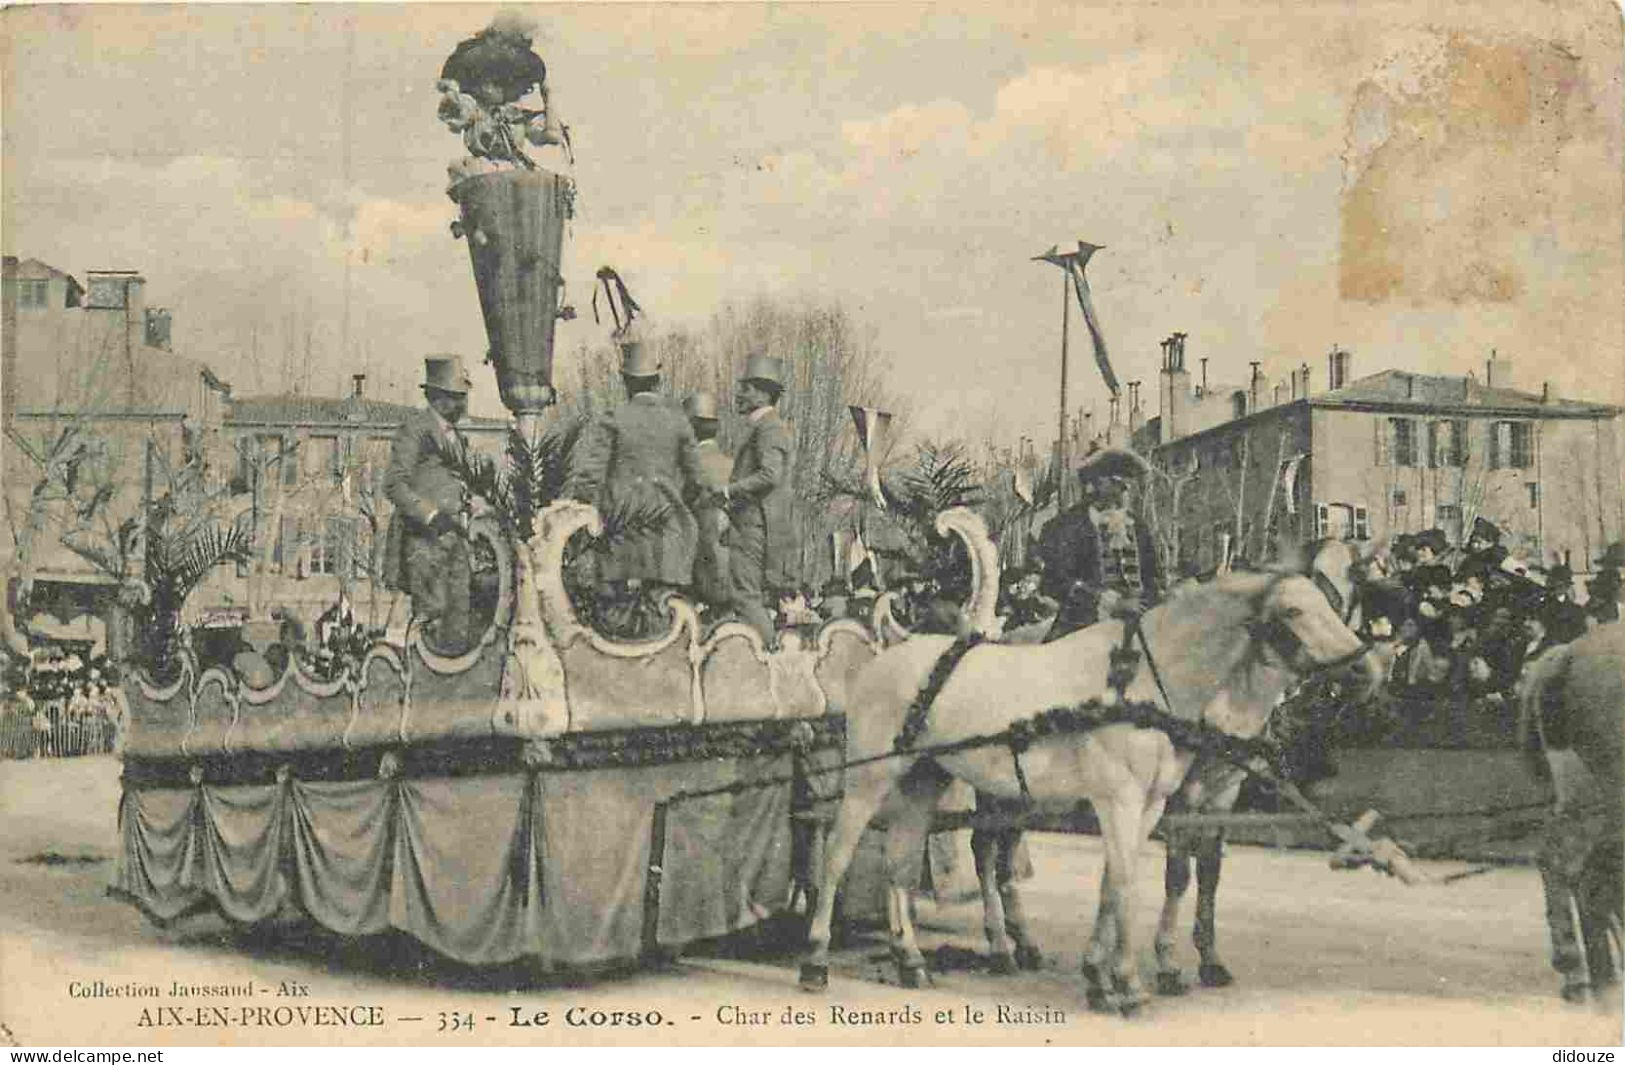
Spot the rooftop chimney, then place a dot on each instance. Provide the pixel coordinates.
(1252, 387)
(1304, 370)
(1498, 371)
(1203, 391)
(1175, 396)
(1545, 391)
(360, 380)
(1337, 368)
(157, 328)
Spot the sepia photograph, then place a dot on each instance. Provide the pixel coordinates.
(587, 524)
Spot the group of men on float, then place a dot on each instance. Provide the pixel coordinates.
(726, 535)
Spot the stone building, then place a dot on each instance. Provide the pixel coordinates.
(1251, 467)
(98, 408)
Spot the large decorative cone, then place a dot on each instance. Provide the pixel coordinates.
(513, 221)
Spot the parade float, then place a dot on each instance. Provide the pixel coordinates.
(551, 794)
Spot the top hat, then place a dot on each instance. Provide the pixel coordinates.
(1484, 529)
(701, 405)
(1613, 556)
(767, 368)
(445, 373)
(638, 361)
(1112, 462)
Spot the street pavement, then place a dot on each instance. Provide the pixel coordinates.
(1321, 958)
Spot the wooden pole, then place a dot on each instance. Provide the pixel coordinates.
(1063, 492)
(1237, 543)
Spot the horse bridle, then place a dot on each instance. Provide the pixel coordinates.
(1275, 632)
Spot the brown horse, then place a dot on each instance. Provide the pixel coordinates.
(1573, 720)
(1225, 652)
(1214, 785)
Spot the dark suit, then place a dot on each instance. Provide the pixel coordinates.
(640, 455)
(434, 568)
(762, 540)
(711, 581)
(1078, 568)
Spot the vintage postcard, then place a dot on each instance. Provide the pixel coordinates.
(585, 524)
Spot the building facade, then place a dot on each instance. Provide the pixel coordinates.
(99, 413)
(1248, 469)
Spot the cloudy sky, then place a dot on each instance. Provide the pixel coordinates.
(1418, 182)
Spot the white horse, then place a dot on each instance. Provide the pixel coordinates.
(1223, 653)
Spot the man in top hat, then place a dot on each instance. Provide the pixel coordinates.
(640, 456)
(427, 552)
(711, 554)
(1604, 590)
(761, 539)
(1098, 556)
(1565, 620)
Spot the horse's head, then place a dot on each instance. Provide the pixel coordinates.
(1305, 630)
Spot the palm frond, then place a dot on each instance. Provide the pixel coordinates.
(631, 521)
(190, 559)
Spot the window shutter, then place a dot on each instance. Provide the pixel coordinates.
(286, 553)
(1434, 445)
(1381, 425)
(1323, 519)
(1495, 445)
(1362, 524)
(1458, 443)
(342, 542)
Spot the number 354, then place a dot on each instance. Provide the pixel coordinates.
(456, 1022)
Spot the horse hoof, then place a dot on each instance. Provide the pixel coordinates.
(1028, 957)
(1576, 993)
(1001, 964)
(1098, 1000)
(1214, 975)
(1171, 984)
(814, 977)
(911, 976)
(1128, 995)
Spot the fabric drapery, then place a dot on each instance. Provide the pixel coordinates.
(483, 869)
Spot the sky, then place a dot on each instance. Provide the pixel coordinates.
(1418, 183)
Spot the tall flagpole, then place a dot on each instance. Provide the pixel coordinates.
(1063, 453)
(1073, 262)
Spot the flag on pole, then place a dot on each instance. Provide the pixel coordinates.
(872, 425)
(858, 560)
(1024, 485)
(1289, 483)
(1076, 263)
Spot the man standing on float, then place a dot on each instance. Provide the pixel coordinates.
(427, 551)
(761, 539)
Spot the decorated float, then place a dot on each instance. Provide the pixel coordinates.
(553, 793)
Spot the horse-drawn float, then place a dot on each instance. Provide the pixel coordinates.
(532, 798)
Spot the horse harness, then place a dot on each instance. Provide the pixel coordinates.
(1186, 734)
